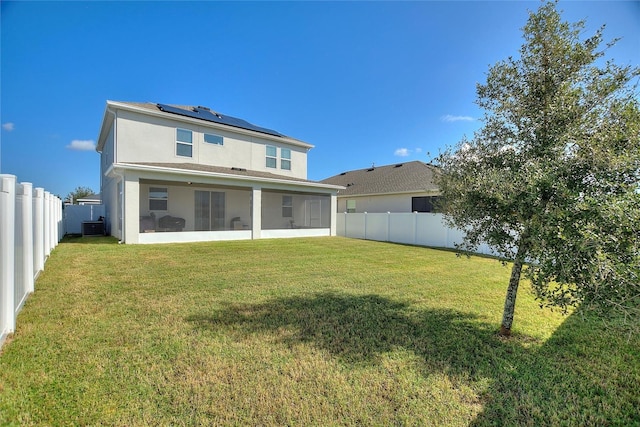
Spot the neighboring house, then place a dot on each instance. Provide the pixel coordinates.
(92, 199)
(401, 187)
(180, 174)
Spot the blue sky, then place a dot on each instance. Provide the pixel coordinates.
(365, 82)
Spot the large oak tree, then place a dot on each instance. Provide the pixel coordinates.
(552, 179)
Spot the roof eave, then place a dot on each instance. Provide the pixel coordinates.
(120, 167)
(392, 193)
(102, 137)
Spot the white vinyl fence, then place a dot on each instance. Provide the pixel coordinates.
(30, 227)
(421, 229)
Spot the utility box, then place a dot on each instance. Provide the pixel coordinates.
(93, 228)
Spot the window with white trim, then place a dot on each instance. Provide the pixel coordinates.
(184, 142)
(285, 159)
(213, 139)
(272, 156)
(158, 198)
(287, 206)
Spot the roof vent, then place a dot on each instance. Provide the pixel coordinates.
(350, 184)
(370, 169)
(398, 165)
(200, 107)
(343, 173)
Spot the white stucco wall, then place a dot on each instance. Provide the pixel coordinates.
(108, 185)
(143, 138)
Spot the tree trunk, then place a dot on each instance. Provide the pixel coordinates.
(512, 292)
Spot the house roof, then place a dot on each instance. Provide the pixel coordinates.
(226, 172)
(405, 177)
(90, 197)
(204, 114)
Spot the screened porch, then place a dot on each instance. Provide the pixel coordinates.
(192, 212)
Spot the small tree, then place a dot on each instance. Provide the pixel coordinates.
(79, 193)
(553, 176)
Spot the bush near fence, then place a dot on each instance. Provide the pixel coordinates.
(30, 228)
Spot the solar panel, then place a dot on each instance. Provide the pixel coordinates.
(204, 113)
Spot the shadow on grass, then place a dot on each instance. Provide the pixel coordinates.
(557, 382)
(92, 240)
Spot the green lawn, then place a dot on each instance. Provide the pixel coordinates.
(322, 331)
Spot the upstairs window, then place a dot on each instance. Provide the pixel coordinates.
(285, 159)
(184, 142)
(158, 199)
(213, 139)
(272, 156)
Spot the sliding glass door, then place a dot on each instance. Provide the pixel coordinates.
(209, 210)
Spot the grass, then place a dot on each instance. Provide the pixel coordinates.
(323, 331)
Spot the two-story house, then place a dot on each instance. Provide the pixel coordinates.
(182, 174)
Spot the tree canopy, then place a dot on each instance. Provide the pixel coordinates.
(79, 193)
(552, 179)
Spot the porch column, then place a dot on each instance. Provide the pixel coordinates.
(334, 214)
(131, 209)
(256, 212)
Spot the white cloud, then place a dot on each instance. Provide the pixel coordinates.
(8, 126)
(449, 118)
(402, 152)
(82, 145)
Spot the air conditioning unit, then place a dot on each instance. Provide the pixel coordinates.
(93, 228)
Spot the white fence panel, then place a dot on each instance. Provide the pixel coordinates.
(430, 231)
(402, 228)
(425, 229)
(377, 227)
(38, 230)
(355, 226)
(30, 227)
(23, 245)
(7, 258)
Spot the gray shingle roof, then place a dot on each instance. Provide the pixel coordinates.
(405, 177)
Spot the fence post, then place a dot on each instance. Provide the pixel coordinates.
(47, 224)
(38, 230)
(345, 225)
(365, 226)
(389, 227)
(25, 197)
(60, 220)
(7, 254)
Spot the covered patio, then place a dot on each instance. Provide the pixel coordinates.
(189, 203)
